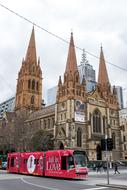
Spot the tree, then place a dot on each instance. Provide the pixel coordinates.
(41, 141)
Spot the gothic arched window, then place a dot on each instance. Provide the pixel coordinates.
(37, 86)
(29, 84)
(79, 137)
(48, 123)
(33, 84)
(104, 124)
(96, 121)
(32, 99)
(114, 140)
(53, 122)
(21, 85)
(44, 123)
(76, 77)
(79, 93)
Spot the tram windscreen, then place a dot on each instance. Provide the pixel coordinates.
(80, 158)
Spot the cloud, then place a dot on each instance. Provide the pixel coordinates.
(92, 22)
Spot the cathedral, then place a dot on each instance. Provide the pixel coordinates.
(78, 120)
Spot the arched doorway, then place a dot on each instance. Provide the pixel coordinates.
(61, 146)
(99, 152)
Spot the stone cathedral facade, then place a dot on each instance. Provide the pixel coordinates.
(78, 120)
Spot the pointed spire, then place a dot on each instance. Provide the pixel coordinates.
(60, 81)
(22, 61)
(114, 90)
(102, 75)
(38, 60)
(71, 65)
(31, 51)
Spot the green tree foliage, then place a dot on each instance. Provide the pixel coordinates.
(41, 141)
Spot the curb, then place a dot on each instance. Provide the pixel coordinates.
(113, 186)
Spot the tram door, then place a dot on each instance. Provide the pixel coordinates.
(63, 163)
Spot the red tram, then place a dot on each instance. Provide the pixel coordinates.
(56, 163)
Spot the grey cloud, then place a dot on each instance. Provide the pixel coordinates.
(93, 22)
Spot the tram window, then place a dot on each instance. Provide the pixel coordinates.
(63, 163)
(70, 162)
(12, 162)
(80, 160)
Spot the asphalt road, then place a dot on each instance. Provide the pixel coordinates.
(23, 182)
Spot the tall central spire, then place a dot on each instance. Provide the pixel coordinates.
(103, 75)
(31, 51)
(71, 65)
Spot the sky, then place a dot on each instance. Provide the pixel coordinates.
(93, 22)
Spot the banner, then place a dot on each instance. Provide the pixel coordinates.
(79, 111)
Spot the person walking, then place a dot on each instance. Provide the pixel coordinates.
(116, 168)
(99, 167)
(105, 167)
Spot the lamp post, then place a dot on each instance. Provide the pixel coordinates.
(107, 159)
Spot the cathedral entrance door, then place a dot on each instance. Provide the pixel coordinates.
(61, 145)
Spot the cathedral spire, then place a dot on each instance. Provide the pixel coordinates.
(31, 51)
(60, 81)
(103, 75)
(71, 65)
(29, 83)
(71, 88)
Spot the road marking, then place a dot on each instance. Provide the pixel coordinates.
(96, 188)
(37, 185)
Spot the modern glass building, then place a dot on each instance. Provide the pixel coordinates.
(51, 95)
(119, 92)
(7, 106)
(86, 70)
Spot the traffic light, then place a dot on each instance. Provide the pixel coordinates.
(109, 144)
(103, 144)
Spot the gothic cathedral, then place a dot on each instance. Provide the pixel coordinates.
(78, 120)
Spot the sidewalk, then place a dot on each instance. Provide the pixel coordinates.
(113, 186)
(114, 183)
(111, 172)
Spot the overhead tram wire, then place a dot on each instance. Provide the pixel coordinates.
(56, 36)
(10, 87)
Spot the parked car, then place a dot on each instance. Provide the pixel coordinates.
(4, 165)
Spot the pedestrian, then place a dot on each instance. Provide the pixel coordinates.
(94, 167)
(104, 167)
(116, 168)
(99, 166)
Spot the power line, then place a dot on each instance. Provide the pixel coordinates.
(54, 35)
(9, 85)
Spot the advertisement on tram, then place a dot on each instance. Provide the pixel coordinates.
(56, 163)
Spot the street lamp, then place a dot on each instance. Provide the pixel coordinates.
(106, 147)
